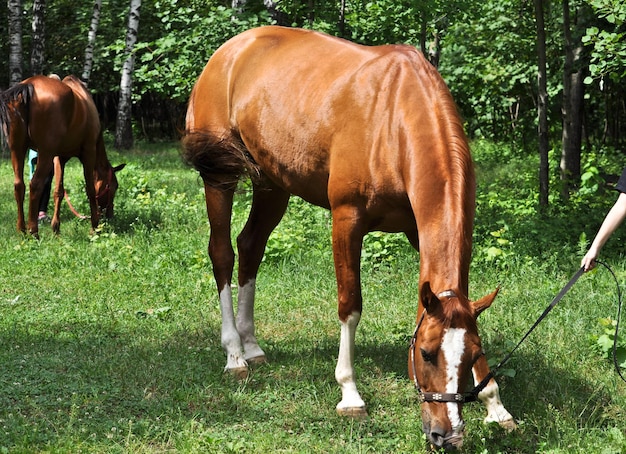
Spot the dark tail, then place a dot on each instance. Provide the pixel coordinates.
(10, 101)
(220, 161)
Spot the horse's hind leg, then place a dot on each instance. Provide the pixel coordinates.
(219, 209)
(268, 208)
(18, 154)
(43, 169)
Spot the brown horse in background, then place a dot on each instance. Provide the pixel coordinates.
(57, 119)
(372, 134)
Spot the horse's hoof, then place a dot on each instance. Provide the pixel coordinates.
(353, 412)
(239, 373)
(255, 361)
(508, 425)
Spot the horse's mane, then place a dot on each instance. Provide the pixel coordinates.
(462, 183)
(20, 94)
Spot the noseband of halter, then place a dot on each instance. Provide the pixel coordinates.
(106, 192)
(470, 396)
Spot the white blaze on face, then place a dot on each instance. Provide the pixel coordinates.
(453, 347)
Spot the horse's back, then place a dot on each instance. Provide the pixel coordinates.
(62, 119)
(326, 119)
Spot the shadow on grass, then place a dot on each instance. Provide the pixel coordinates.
(82, 380)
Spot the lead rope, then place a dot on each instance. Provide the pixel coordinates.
(619, 315)
(547, 310)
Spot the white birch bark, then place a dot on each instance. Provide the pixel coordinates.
(15, 41)
(91, 41)
(123, 127)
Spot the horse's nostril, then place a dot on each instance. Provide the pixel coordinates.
(437, 439)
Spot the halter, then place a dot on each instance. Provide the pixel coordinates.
(106, 192)
(469, 396)
(472, 395)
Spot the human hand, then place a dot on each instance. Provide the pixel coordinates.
(589, 261)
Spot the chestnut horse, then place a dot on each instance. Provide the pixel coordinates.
(372, 134)
(57, 119)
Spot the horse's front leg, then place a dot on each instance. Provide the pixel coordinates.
(347, 236)
(90, 189)
(59, 191)
(490, 397)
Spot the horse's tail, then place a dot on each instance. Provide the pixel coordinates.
(221, 161)
(10, 101)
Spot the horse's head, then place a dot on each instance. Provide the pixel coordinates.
(106, 186)
(444, 349)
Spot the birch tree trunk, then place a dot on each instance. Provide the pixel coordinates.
(37, 51)
(15, 41)
(91, 41)
(123, 127)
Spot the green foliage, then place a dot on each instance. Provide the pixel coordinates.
(489, 62)
(384, 22)
(304, 227)
(608, 55)
(170, 64)
(383, 250)
(605, 341)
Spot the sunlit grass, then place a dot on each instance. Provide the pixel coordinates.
(110, 343)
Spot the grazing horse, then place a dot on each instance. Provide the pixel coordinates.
(57, 119)
(372, 134)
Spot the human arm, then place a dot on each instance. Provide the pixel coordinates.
(612, 221)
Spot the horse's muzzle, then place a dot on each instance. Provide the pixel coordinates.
(440, 438)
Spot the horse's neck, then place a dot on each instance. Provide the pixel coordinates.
(445, 246)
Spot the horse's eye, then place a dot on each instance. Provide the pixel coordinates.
(426, 356)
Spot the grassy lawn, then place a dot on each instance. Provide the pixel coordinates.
(110, 343)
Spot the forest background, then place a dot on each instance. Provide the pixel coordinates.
(544, 76)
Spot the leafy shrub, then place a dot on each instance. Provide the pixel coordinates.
(604, 342)
(381, 250)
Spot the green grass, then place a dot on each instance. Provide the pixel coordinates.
(111, 343)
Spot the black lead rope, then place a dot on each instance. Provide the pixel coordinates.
(619, 315)
(554, 302)
(478, 388)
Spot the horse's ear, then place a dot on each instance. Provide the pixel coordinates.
(427, 297)
(483, 303)
(118, 168)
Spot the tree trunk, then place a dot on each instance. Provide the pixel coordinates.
(237, 5)
(15, 41)
(37, 51)
(91, 41)
(542, 107)
(342, 19)
(572, 109)
(123, 126)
